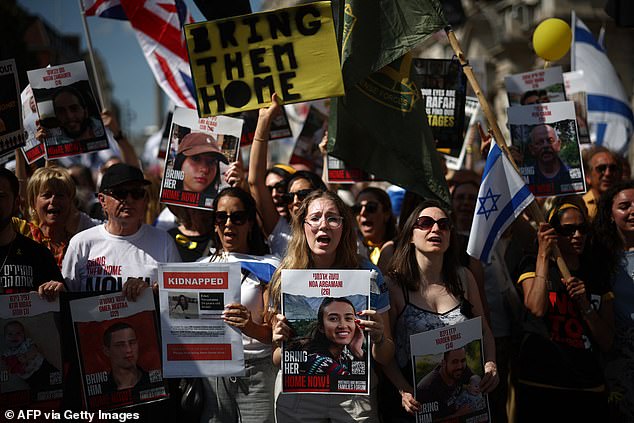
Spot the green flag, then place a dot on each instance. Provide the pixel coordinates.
(380, 124)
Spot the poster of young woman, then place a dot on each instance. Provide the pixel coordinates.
(30, 352)
(448, 365)
(198, 154)
(329, 350)
(118, 348)
(196, 340)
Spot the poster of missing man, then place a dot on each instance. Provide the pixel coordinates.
(443, 85)
(11, 131)
(33, 149)
(30, 352)
(197, 342)
(67, 110)
(119, 351)
(546, 136)
(448, 365)
(329, 352)
(538, 86)
(198, 154)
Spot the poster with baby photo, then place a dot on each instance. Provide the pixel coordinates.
(538, 86)
(329, 351)
(30, 352)
(199, 153)
(11, 131)
(119, 351)
(33, 149)
(448, 365)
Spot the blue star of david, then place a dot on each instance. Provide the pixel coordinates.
(483, 200)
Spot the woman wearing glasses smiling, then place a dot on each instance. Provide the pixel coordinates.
(428, 290)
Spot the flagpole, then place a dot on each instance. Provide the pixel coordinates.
(533, 209)
(91, 55)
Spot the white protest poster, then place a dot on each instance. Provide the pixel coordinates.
(33, 149)
(67, 109)
(30, 352)
(196, 340)
(198, 154)
(472, 115)
(448, 365)
(576, 92)
(538, 86)
(546, 136)
(11, 130)
(329, 353)
(118, 349)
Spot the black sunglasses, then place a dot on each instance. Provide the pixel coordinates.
(370, 207)
(603, 167)
(301, 195)
(122, 193)
(237, 217)
(570, 230)
(426, 223)
(279, 187)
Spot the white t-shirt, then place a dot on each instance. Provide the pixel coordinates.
(279, 238)
(96, 260)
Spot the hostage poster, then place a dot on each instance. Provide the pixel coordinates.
(198, 154)
(118, 348)
(448, 366)
(196, 340)
(67, 109)
(11, 132)
(30, 352)
(329, 352)
(534, 87)
(33, 149)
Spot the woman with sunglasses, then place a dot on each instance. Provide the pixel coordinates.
(557, 366)
(238, 237)
(377, 224)
(428, 290)
(324, 237)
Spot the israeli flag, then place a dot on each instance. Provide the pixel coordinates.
(609, 113)
(502, 198)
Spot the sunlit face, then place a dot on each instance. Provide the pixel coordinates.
(572, 219)
(52, 207)
(275, 184)
(72, 116)
(433, 240)
(233, 237)
(323, 240)
(623, 211)
(604, 172)
(372, 218)
(298, 184)
(126, 211)
(338, 323)
(199, 171)
(545, 144)
(123, 351)
(455, 363)
(464, 201)
(14, 335)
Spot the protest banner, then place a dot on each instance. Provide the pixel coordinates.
(443, 86)
(339, 173)
(199, 151)
(546, 136)
(538, 86)
(239, 62)
(30, 352)
(447, 366)
(118, 349)
(33, 149)
(12, 133)
(306, 151)
(321, 356)
(196, 340)
(67, 109)
(576, 92)
(280, 127)
(472, 115)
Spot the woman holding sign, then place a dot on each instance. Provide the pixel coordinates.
(324, 237)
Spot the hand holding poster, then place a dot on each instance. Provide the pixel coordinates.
(118, 350)
(198, 153)
(329, 351)
(67, 109)
(539, 86)
(448, 365)
(11, 132)
(196, 340)
(238, 63)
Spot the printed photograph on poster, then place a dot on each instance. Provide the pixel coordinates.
(472, 115)
(119, 352)
(448, 366)
(12, 133)
(198, 154)
(280, 127)
(30, 352)
(339, 173)
(576, 92)
(33, 149)
(443, 86)
(329, 352)
(306, 151)
(196, 341)
(534, 87)
(546, 136)
(68, 110)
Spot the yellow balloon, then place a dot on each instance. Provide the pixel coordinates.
(551, 39)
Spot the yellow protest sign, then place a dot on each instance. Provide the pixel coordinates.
(238, 62)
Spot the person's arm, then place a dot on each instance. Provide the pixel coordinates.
(387, 251)
(601, 322)
(50, 290)
(258, 165)
(535, 292)
(128, 155)
(235, 174)
(239, 316)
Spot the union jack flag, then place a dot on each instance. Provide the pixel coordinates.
(158, 25)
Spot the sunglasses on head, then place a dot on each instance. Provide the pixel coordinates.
(603, 167)
(289, 197)
(122, 193)
(426, 223)
(237, 217)
(370, 207)
(570, 230)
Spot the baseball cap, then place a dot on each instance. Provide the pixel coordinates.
(198, 143)
(121, 173)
